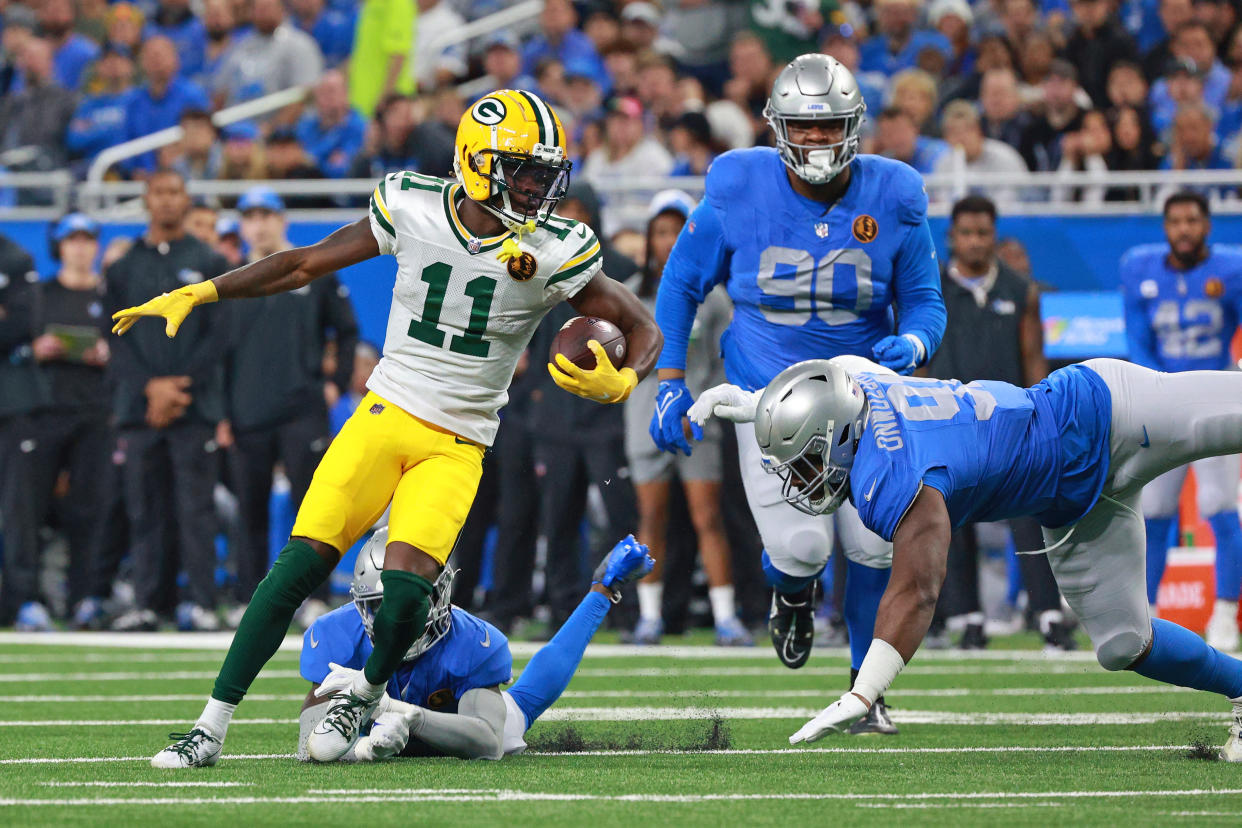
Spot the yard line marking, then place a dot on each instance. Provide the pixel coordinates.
(946, 692)
(293, 643)
(113, 658)
(15, 678)
(646, 713)
(88, 760)
(921, 805)
(424, 795)
(98, 784)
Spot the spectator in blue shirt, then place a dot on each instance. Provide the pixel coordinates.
(332, 28)
(72, 52)
(174, 20)
(333, 134)
(99, 121)
(1192, 47)
(219, 27)
(897, 136)
(559, 38)
(1193, 145)
(899, 42)
(160, 102)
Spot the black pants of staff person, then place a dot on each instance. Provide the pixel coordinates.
(170, 475)
(568, 469)
(960, 594)
(517, 524)
(40, 448)
(298, 445)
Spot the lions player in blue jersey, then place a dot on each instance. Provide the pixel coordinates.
(818, 248)
(1183, 300)
(919, 457)
(445, 698)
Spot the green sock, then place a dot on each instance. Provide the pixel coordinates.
(400, 619)
(293, 577)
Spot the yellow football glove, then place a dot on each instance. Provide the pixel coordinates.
(603, 384)
(174, 307)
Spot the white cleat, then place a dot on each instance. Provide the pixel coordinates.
(1222, 629)
(339, 730)
(196, 749)
(1232, 751)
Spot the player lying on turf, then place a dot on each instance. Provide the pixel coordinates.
(445, 698)
(479, 263)
(918, 457)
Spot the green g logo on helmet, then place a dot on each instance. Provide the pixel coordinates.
(489, 111)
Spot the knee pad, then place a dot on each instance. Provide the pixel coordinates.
(1119, 651)
(803, 552)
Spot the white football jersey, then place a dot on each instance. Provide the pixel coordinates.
(459, 320)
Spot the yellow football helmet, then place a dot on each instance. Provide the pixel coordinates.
(510, 156)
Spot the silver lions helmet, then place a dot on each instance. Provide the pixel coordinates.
(367, 591)
(816, 88)
(808, 423)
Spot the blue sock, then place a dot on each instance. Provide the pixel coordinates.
(783, 582)
(1013, 575)
(863, 588)
(1181, 657)
(549, 671)
(1157, 553)
(1228, 534)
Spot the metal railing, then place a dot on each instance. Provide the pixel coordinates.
(625, 200)
(146, 143)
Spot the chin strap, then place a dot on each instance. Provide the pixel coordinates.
(511, 248)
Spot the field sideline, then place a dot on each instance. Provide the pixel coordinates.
(682, 735)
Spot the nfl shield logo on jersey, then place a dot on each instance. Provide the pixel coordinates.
(474, 245)
(821, 229)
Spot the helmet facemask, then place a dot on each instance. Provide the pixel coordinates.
(523, 187)
(817, 163)
(817, 479)
(439, 617)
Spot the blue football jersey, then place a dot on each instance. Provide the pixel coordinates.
(1181, 320)
(806, 282)
(994, 450)
(472, 654)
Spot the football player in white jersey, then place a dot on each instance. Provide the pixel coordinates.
(480, 260)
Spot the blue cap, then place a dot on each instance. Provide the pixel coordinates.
(502, 37)
(75, 223)
(227, 227)
(580, 67)
(260, 198)
(241, 131)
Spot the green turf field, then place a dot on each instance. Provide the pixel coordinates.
(693, 735)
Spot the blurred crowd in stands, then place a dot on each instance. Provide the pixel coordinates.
(997, 85)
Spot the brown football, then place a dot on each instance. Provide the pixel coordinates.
(571, 340)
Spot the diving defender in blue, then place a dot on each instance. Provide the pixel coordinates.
(823, 252)
(919, 457)
(1183, 301)
(445, 698)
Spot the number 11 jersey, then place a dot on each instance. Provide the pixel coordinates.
(461, 317)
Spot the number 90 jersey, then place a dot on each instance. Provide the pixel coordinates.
(460, 317)
(1181, 320)
(807, 280)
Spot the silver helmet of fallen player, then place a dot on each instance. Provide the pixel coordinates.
(367, 591)
(816, 87)
(808, 423)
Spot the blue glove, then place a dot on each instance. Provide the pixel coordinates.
(627, 562)
(673, 400)
(898, 353)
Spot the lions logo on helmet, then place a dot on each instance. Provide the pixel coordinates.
(367, 590)
(510, 156)
(816, 88)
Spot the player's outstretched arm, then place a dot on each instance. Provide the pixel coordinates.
(608, 299)
(920, 550)
(280, 272)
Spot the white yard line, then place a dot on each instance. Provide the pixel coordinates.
(232, 757)
(153, 676)
(648, 713)
(293, 643)
(944, 692)
(147, 784)
(502, 796)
